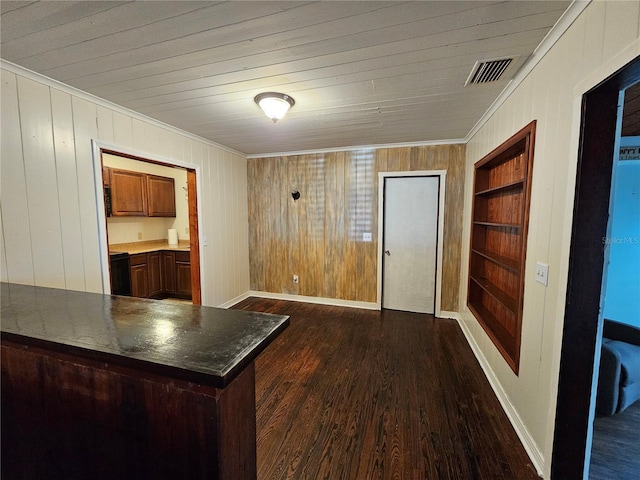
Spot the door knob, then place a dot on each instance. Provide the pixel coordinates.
(387, 252)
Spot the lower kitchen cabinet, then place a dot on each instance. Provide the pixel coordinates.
(169, 272)
(139, 275)
(183, 274)
(160, 274)
(155, 264)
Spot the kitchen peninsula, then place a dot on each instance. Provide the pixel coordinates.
(100, 386)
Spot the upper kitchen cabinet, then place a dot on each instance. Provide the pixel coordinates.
(128, 193)
(162, 199)
(139, 194)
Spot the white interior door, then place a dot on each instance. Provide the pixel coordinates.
(410, 243)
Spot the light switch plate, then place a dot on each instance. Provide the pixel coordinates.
(542, 273)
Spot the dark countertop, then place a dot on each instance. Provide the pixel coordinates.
(204, 345)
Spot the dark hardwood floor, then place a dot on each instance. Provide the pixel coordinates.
(356, 394)
(615, 453)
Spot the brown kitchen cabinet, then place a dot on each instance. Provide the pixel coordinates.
(169, 272)
(128, 193)
(162, 196)
(138, 194)
(183, 274)
(139, 275)
(156, 283)
(160, 274)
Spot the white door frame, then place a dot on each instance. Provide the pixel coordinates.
(442, 174)
(96, 147)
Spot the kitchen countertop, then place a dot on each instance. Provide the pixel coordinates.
(148, 246)
(205, 345)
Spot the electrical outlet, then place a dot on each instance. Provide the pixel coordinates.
(366, 237)
(542, 273)
(296, 279)
(139, 235)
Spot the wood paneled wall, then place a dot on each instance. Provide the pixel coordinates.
(48, 208)
(319, 236)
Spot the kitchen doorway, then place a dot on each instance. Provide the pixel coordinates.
(411, 216)
(174, 273)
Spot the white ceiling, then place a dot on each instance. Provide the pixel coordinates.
(361, 72)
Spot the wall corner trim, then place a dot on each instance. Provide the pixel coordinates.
(530, 446)
(233, 301)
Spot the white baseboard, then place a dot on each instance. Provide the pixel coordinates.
(527, 440)
(319, 300)
(233, 301)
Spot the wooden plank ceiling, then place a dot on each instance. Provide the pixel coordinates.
(361, 72)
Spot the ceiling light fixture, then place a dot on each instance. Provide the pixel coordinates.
(274, 105)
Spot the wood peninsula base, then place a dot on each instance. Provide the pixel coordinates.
(70, 418)
(108, 387)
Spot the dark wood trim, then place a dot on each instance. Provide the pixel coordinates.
(586, 262)
(192, 192)
(135, 157)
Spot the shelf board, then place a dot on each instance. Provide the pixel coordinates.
(501, 188)
(498, 224)
(495, 329)
(505, 262)
(500, 295)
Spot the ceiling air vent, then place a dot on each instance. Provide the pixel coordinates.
(485, 71)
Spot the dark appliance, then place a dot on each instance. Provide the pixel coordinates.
(107, 199)
(120, 277)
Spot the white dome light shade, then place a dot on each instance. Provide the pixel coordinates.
(274, 105)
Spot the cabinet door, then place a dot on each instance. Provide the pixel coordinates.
(183, 274)
(169, 272)
(139, 281)
(154, 262)
(162, 196)
(128, 193)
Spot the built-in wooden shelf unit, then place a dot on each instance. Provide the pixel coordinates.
(500, 218)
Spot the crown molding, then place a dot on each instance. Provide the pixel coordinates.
(37, 77)
(456, 141)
